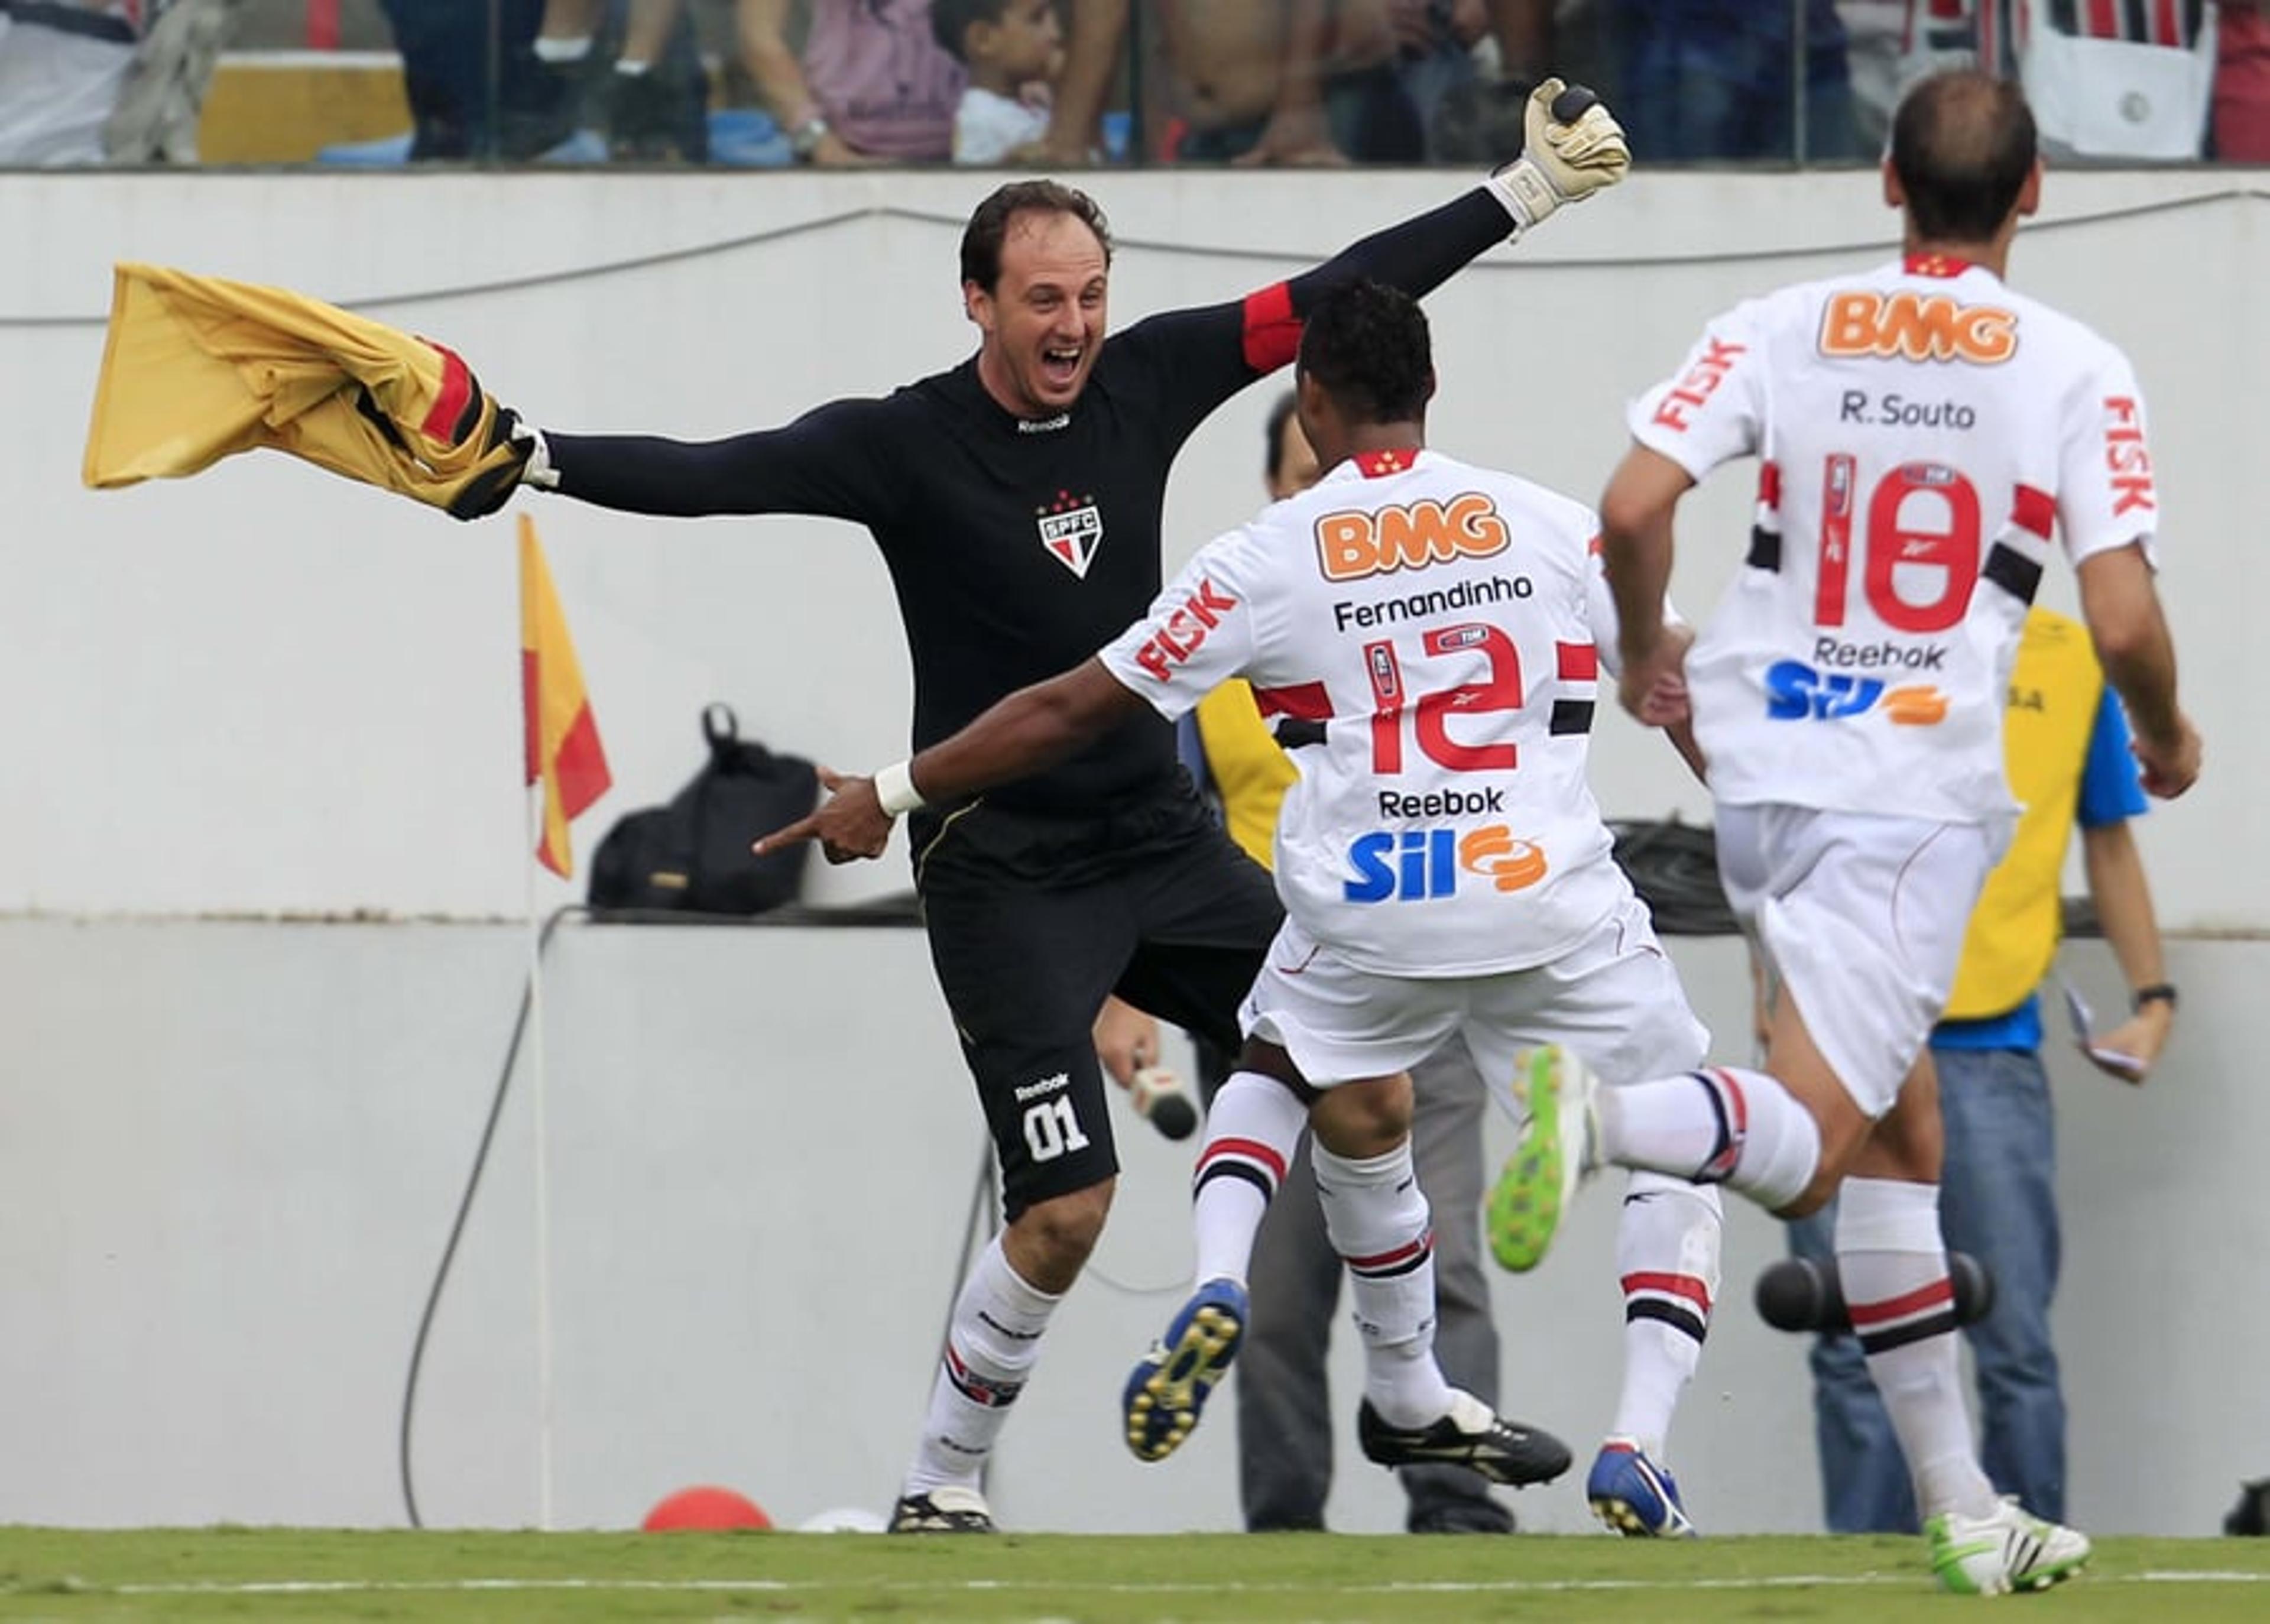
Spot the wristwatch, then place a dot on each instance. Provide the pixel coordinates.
(2158, 992)
(804, 140)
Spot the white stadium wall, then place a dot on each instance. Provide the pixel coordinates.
(265, 852)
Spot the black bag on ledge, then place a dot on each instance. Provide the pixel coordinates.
(693, 856)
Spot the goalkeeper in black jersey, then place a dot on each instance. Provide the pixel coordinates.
(1017, 501)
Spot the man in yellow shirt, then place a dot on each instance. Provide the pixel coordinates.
(2066, 744)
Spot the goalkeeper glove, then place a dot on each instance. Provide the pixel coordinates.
(516, 455)
(1572, 147)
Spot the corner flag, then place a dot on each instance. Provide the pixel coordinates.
(563, 748)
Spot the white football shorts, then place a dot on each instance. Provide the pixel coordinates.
(1861, 918)
(1615, 1000)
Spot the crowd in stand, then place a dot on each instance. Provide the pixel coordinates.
(1057, 84)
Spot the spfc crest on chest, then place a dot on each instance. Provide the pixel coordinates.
(1072, 529)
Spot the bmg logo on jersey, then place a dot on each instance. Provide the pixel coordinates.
(1419, 865)
(1356, 542)
(1916, 327)
(1797, 692)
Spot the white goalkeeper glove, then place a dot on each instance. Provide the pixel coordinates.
(1572, 147)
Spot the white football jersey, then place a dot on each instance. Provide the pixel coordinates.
(1919, 427)
(1426, 637)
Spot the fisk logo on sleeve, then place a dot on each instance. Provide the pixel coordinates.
(2128, 458)
(1698, 383)
(1916, 327)
(1185, 631)
(1356, 542)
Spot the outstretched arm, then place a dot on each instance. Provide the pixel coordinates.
(1034, 728)
(833, 462)
(1205, 355)
(1573, 147)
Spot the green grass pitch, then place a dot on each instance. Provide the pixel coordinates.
(185, 1575)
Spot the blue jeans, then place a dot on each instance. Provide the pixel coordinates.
(1701, 79)
(1996, 1201)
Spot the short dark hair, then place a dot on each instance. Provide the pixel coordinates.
(990, 221)
(1963, 144)
(951, 20)
(1367, 344)
(1280, 414)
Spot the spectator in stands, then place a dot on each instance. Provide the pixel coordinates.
(654, 103)
(2066, 744)
(1465, 63)
(1289, 82)
(1711, 79)
(63, 64)
(1011, 51)
(160, 105)
(454, 58)
(871, 83)
(2242, 83)
(1434, 43)
(1080, 82)
(2105, 81)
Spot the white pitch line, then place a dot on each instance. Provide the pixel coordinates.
(1770, 1582)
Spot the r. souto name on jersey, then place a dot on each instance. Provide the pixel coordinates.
(1894, 411)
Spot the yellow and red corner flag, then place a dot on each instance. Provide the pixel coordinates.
(564, 752)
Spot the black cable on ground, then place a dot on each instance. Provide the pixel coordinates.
(893, 911)
(465, 1209)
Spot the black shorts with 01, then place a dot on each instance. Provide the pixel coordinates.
(1032, 920)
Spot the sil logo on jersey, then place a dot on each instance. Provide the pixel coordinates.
(1072, 529)
(1797, 692)
(1419, 865)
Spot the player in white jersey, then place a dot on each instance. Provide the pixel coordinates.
(1924, 431)
(1429, 632)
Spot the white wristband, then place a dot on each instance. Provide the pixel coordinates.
(894, 788)
(537, 470)
(1525, 193)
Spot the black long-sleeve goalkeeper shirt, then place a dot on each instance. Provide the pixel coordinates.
(1018, 548)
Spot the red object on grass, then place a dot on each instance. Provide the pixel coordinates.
(705, 1508)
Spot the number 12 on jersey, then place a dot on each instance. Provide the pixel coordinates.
(1499, 693)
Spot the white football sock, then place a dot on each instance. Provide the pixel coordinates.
(1727, 1124)
(1253, 1129)
(1668, 1246)
(990, 1348)
(1376, 1216)
(1892, 1263)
